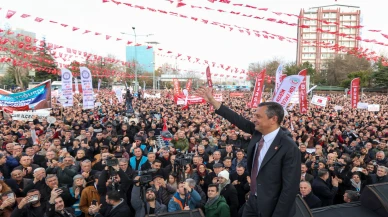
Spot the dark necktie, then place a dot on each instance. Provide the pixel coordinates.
(255, 167)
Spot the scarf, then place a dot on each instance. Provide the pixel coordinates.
(222, 186)
(356, 185)
(211, 201)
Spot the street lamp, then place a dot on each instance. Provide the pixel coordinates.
(135, 68)
(153, 77)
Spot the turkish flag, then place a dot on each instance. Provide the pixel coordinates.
(10, 13)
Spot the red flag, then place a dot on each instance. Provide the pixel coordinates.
(188, 85)
(258, 90)
(75, 28)
(38, 19)
(354, 92)
(303, 93)
(10, 13)
(24, 16)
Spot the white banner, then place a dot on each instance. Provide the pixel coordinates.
(27, 115)
(373, 107)
(319, 100)
(146, 95)
(362, 105)
(119, 94)
(295, 98)
(337, 107)
(87, 88)
(288, 87)
(67, 88)
(279, 73)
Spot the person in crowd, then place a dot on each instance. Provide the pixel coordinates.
(88, 195)
(308, 196)
(56, 206)
(115, 206)
(216, 205)
(30, 205)
(153, 206)
(65, 170)
(351, 196)
(79, 184)
(323, 190)
(228, 191)
(185, 198)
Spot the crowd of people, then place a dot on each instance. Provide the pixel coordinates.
(109, 162)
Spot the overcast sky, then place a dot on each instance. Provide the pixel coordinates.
(177, 34)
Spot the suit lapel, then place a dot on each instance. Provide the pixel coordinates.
(251, 150)
(275, 146)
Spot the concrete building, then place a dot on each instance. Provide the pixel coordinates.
(323, 28)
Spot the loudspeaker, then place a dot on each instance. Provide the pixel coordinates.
(188, 213)
(375, 198)
(302, 209)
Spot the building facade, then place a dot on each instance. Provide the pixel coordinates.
(144, 57)
(326, 31)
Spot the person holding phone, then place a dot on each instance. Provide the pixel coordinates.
(56, 207)
(29, 205)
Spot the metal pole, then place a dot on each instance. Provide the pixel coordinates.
(153, 78)
(135, 68)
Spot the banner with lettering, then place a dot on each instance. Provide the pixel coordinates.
(98, 85)
(258, 90)
(354, 92)
(189, 85)
(67, 88)
(303, 105)
(288, 87)
(87, 88)
(27, 115)
(35, 98)
(76, 85)
(278, 77)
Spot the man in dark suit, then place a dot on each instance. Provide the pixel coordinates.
(308, 196)
(323, 190)
(273, 159)
(116, 207)
(305, 176)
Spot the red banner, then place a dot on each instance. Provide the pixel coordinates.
(303, 105)
(177, 88)
(232, 94)
(189, 84)
(257, 92)
(354, 92)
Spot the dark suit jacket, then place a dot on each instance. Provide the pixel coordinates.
(323, 191)
(312, 201)
(279, 175)
(121, 210)
(309, 178)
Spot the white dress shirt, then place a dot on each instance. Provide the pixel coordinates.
(268, 139)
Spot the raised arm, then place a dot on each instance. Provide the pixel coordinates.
(225, 112)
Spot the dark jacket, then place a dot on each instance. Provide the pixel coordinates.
(65, 176)
(122, 210)
(218, 209)
(29, 211)
(138, 204)
(229, 192)
(323, 191)
(122, 187)
(50, 211)
(312, 201)
(279, 174)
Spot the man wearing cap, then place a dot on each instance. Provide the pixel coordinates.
(273, 159)
(213, 176)
(153, 206)
(160, 187)
(229, 192)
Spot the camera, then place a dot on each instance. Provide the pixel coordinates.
(316, 164)
(145, 176)
(183, 159)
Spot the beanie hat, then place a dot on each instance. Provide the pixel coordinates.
(224, 174)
